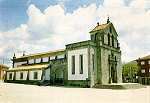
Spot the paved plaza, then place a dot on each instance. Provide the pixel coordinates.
(20, 93)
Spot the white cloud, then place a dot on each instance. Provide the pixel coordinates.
(142, 4)
(1, 50)
(59, 27)
(48, 30)
(53, 28)
(135, 36)
(113, 3)
(132, 24)
(18, 33)
(13, 39)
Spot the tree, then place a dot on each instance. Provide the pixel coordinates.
(130, 70)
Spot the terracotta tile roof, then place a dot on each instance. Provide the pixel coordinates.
(100, 27)
(3, 66)
(38, 54)
(144, 58)
(36, 66)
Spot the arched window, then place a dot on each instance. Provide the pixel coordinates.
(112, 40)
(108, 39)
(95, 38)
(110, 29)
(115, 58)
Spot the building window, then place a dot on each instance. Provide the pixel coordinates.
(45, 59)
(38, 60)
(143, 71)
(35, 75)
(60, 56)
(108, 39)
(112, 40)
(10, 76)
(115, 58)
(149, 62)
(103, 39)
(110, 29)
(20, 63)
(73, 64)
(142, 62)
(93, 61)
(117, 44)
(21, 75)
(52, 57)
(95, 37)
(31, 61)
(81, 64)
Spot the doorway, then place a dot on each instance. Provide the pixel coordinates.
(59, 77)
(113, 75)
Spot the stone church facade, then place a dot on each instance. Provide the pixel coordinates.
(95, 61)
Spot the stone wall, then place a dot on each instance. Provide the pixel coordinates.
(77, 75)
(108, 56)
(105, 65)
(119, 68)
(93, 69)
(58, 71)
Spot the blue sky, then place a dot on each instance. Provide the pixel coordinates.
(42, 25)
(13, 12)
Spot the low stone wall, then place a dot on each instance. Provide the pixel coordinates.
(22, 81)
(78, 83)
(31, 82)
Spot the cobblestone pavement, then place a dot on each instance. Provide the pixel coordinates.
(20, 93)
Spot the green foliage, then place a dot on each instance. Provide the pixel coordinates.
(130, 68)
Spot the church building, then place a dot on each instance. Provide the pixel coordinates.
(86, 63)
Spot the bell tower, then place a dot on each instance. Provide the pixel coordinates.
(108, 54)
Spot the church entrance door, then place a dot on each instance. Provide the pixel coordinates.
(112, 75)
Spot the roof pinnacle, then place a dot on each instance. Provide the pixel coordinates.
(108, 20)
(14, 56)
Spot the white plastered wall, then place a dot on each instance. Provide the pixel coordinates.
(24, 75)
(47, 74)
(19, 63)
(8, 74)
(31, 74)
(77, 75)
